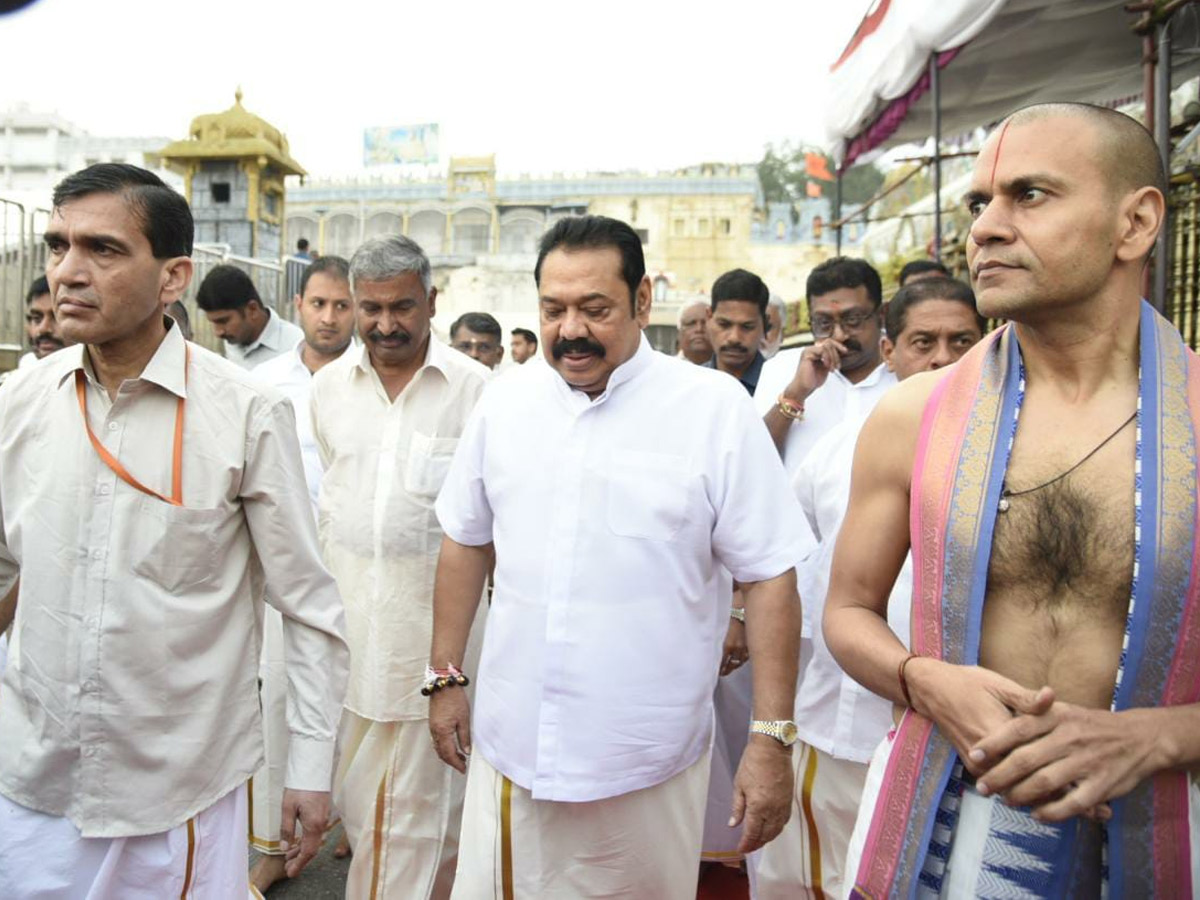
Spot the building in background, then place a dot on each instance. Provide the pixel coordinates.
(481, 231)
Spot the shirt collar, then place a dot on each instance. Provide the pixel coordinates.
(626, 371)
(271, 336)
(870, 381)
(436, 357)
(749, 379)
(164, 369)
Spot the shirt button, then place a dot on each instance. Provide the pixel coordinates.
(97, 554)
(89, 686)
(113, 426)
(103, 490)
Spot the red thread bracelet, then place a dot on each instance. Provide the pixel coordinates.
(904, 681)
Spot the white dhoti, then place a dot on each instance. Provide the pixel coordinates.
(731, 715)
(808, 858)
(44, 856)
(401, 807)
(644, 844)
(266, 787)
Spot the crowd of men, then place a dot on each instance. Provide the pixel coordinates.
(910, 610)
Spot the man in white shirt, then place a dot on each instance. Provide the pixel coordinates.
(930, 324)
(326, 312)
(773, 336)
(478, 335)
(610, 513)
(387, 421)
(523, 345)
(804, 393)
(130, 715)
(41, 324)
(252, 333)
(694, 343)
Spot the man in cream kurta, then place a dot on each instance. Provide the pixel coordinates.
(387, 421)
(148, 492)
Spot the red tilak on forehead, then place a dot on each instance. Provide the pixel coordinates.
(996, 158)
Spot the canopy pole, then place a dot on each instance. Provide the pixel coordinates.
(837, 210)
(935, 91)
(1162, 134)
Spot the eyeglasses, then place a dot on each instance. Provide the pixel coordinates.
(824, 326)
(481, 346)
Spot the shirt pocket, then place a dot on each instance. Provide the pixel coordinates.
(177, 547)
(647, 494)
(428, 463)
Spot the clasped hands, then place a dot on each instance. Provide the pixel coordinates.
(1059, 758)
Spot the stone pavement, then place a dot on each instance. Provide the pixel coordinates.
(323, 879)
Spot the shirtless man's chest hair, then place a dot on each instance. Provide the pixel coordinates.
(1061, 567)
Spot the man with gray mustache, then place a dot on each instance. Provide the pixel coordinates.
(387, 421)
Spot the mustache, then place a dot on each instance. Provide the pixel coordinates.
(47, 339)
(740, 348)
(852, 345)
(374, 335)
(576, 345)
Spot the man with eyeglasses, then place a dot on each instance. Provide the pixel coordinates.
(804, 393)
(478, 335)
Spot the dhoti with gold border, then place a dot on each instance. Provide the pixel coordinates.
(630, 847)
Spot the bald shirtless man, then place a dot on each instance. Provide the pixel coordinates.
(1017, 467)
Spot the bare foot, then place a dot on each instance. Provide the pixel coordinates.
(342, 850)
(267, 871)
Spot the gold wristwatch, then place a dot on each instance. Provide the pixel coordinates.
(782, 730)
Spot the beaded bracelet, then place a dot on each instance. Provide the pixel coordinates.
(436, 679)
(790, 409)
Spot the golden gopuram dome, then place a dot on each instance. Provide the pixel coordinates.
(235, 133)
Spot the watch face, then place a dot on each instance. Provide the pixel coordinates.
(789, 733)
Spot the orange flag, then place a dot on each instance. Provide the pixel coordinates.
(816, 167)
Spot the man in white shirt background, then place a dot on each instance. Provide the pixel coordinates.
(387, 420)
(130, 715)
(609, 517)
(694, 343)
(773, 337)
(41, 324)
(930, 324)
(480, 336)
(524, 345)
(252, 333)
(804, 393)
(325, 309)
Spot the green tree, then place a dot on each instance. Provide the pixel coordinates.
(783, 174)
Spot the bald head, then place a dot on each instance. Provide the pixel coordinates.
(1127, 152)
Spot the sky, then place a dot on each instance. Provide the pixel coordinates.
(546, 86)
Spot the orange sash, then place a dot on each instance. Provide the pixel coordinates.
(176, 498)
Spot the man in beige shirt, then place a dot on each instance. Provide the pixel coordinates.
(387, 422)
(149, 491)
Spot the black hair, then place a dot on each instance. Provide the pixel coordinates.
(480, 323)
(165, 216)
(593, 232)
(302, 244)
(527, 334)
(896, 312)
(226, 287)
(920, 266)
(844, 272)
(40, 286)
(739, 284)
(332, 265)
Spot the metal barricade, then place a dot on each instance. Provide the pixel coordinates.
(23, 258)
